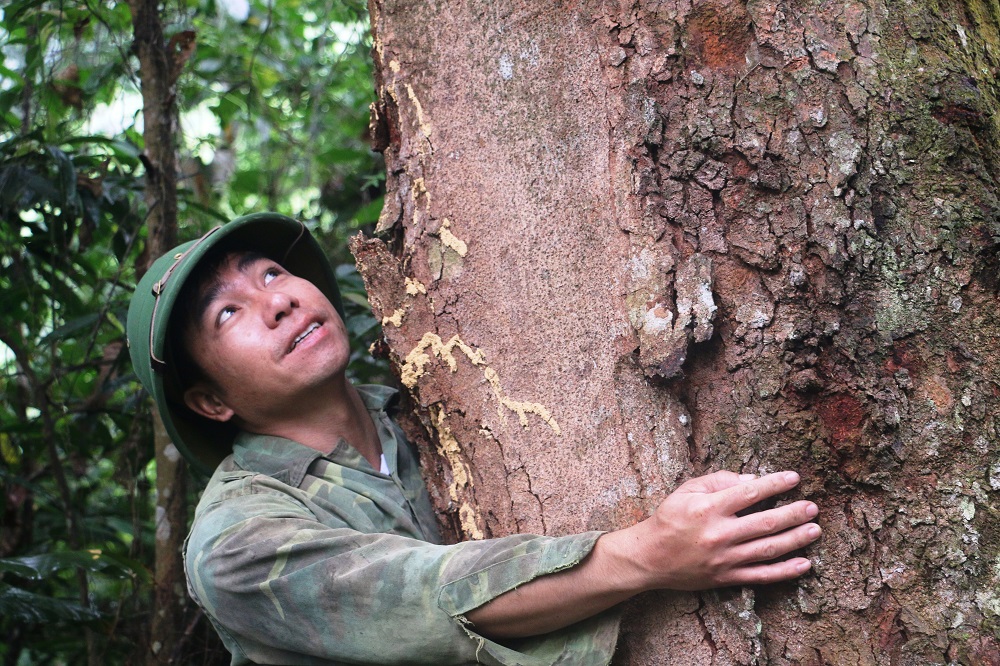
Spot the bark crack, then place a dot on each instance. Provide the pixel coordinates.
(706, 633)
(538, 498)
(486, 431)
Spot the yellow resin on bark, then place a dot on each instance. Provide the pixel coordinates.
(396, 319)
(450, 240)
(449, 449)
(522, 409)
(422, 124)
(414, 287)
(415, 365)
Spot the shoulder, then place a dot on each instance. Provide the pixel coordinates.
(234, 499)
(246, 492)
(233, 483)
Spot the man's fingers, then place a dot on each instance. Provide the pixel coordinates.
(775, 520)
(763, 574)
(772, 547)
(745, 494)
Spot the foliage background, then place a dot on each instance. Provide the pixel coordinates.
(274, 114)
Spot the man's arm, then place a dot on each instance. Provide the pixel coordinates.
(287, 581)
(694, 540)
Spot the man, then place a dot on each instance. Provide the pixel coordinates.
(315, 542)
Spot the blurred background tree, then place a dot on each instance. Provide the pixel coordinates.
(273, 115)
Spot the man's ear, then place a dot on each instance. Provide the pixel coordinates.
(204, 400)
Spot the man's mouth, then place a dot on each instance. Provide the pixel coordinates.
(302, 336)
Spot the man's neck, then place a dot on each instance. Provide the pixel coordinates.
(335, 413)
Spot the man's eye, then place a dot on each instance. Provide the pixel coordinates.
(226, 313)
(270, 274)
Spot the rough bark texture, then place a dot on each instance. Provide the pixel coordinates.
(160, 62)
(631, 242)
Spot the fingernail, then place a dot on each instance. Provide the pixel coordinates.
(812, 511)
(814, 531)
(803, 566)
(791, 477)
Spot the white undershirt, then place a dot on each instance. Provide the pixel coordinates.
(383, 465)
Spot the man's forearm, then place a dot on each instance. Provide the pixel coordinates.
(560, 599)
(694, 540)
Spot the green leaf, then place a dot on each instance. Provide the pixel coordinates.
(29, 608)
(17, 7)
(85, 322)
(38, 567)
(67, 179)
(360, 325)
(13, 78)
(369, 213)
(122, 149)
(356, 298)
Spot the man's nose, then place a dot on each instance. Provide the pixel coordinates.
(278, 305)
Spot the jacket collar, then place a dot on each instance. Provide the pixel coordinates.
(288, 461)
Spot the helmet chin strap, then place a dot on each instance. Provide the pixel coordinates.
(159, 365)
(302, 230)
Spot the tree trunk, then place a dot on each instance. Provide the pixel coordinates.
(633, 242)
(160, 62)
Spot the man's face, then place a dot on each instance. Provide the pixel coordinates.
(266, 339)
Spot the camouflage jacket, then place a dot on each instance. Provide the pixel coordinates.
(303, 558)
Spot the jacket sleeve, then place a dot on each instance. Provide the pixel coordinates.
(283, 588)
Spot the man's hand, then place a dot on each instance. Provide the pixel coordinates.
(694, 540)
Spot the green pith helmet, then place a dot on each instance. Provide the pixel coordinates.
(202, 441)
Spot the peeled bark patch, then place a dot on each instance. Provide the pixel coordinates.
(668, 325)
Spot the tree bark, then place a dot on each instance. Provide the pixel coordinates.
(160, 62)
(632, 242)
